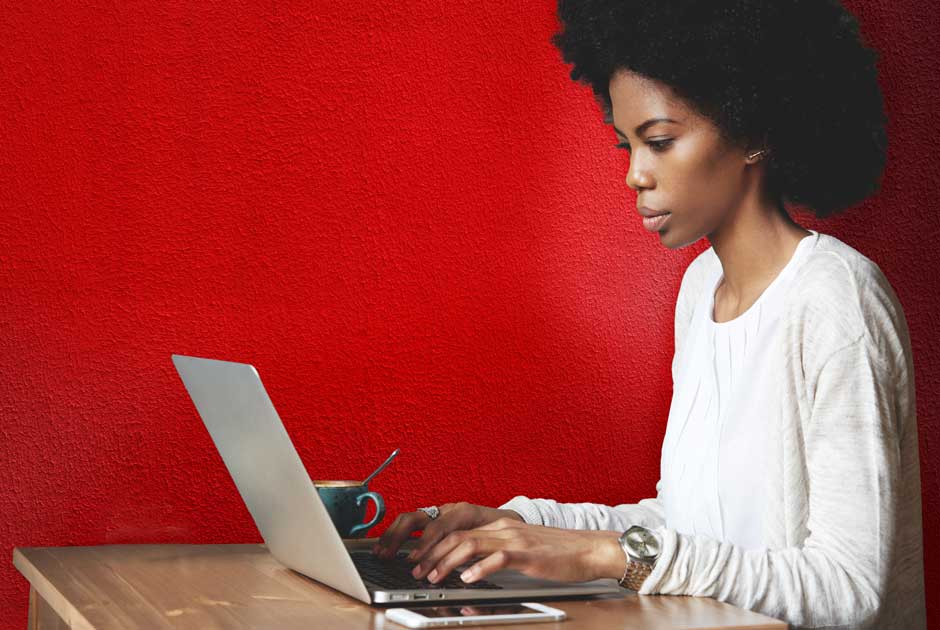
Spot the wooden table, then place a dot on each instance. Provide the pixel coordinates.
(242, 586)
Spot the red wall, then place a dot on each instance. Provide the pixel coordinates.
(404, 214)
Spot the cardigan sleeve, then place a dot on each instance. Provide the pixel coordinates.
(648, 513)
(839, 576)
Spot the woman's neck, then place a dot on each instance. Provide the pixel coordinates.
(753, 246)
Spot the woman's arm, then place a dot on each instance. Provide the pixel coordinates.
(840, 575)
(648, 513)
(863, 545)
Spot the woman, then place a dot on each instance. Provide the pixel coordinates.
(790, 479)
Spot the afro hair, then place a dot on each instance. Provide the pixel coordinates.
(790, 75)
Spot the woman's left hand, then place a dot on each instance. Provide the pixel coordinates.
(562, 555)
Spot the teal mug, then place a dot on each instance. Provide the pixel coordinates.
(346, 503)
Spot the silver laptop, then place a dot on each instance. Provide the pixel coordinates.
(294, 522)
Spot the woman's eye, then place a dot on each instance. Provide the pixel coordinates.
(657, 145)
(660, 145)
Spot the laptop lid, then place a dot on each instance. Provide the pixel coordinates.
(267, 471)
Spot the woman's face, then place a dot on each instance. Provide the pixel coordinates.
(681, 167)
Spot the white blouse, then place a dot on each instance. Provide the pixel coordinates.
(715, 448)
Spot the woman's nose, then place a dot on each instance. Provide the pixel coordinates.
(638, 176)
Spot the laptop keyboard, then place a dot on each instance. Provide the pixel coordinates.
(395, 574)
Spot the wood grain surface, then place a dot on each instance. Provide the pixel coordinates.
(243, 586)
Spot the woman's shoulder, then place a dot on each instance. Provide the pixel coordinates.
(836, 263)
(841, 296)
(842, 282)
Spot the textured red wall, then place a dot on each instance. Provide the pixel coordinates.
(403, 213)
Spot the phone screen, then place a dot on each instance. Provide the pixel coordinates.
(473, 611)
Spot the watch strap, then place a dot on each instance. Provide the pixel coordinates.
(635, 574)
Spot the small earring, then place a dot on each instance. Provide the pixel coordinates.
(756, 154)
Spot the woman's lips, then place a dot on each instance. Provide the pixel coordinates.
(654, 224)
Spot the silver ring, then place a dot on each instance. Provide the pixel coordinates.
(432, 511)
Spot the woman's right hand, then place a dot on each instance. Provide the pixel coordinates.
(453, 517)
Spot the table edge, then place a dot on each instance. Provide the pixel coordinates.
(45, 589)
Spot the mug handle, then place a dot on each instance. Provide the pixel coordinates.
(379, 512)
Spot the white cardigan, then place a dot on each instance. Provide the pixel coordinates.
(841, 523)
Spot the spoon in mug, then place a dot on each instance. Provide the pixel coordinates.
(382, 467)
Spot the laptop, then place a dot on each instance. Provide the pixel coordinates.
(292, 519)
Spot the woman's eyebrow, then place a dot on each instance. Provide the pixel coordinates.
(643, 127)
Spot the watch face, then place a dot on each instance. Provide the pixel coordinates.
(642, 542)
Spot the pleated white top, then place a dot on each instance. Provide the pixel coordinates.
(715, 447)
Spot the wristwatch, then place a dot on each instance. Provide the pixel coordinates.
(642, 547)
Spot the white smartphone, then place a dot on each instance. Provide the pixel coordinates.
(473, 614)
